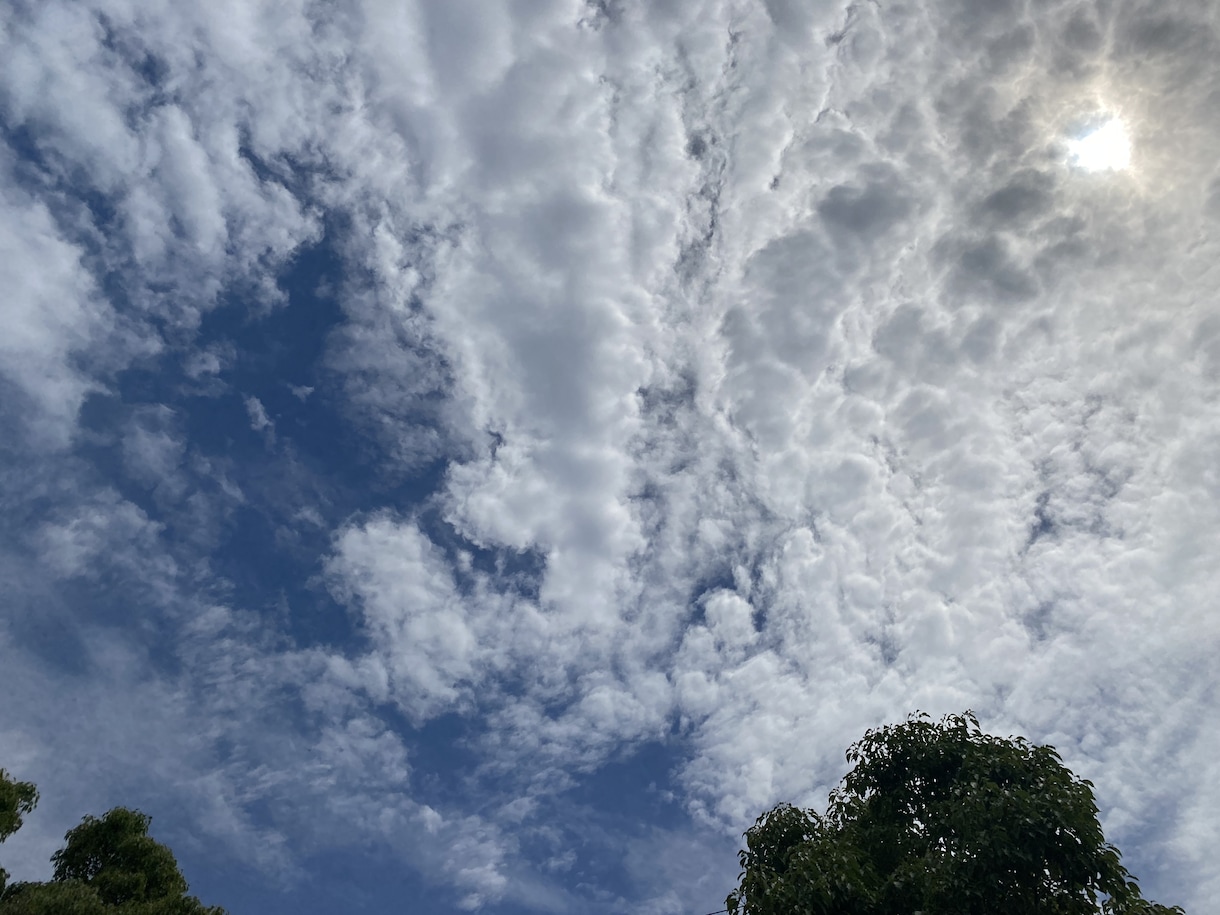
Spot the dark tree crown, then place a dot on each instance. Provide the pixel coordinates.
(940, 818)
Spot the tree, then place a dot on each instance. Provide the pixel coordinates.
(116, 856)
(108, 866)
(72, 898)
(16, 800)
(938, 818)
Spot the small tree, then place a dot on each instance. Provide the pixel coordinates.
(108, 865)
(939, 818)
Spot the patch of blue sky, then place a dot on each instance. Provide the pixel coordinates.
(362, 879)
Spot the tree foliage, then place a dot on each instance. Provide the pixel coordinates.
(116, 856)
(16, 800)
(109, 865)
(939, 818)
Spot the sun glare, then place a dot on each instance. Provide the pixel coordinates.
(1106, 149)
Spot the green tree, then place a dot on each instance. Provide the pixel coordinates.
(69, 898)
(16, 800)
(939, 818)
(109, 865)
(117, 857)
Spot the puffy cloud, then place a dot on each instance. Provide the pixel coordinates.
(413, 612)
(731, 375)
(55, 314)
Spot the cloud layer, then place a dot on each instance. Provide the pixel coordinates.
(424, 413)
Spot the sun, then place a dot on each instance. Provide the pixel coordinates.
(1108, 148)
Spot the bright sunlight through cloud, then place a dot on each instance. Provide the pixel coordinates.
(1107, 148)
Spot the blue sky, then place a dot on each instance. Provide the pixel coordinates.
(482, 454)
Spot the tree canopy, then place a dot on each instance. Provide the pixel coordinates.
(109, 865)
(939, 818)
(16, 800)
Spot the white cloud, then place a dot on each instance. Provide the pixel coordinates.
(780, 338)
(106, 529)
(259, 420)
(53, 314)
(412, 611)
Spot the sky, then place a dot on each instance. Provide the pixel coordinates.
(477, 456)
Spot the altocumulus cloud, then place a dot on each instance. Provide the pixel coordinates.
(489, 452)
